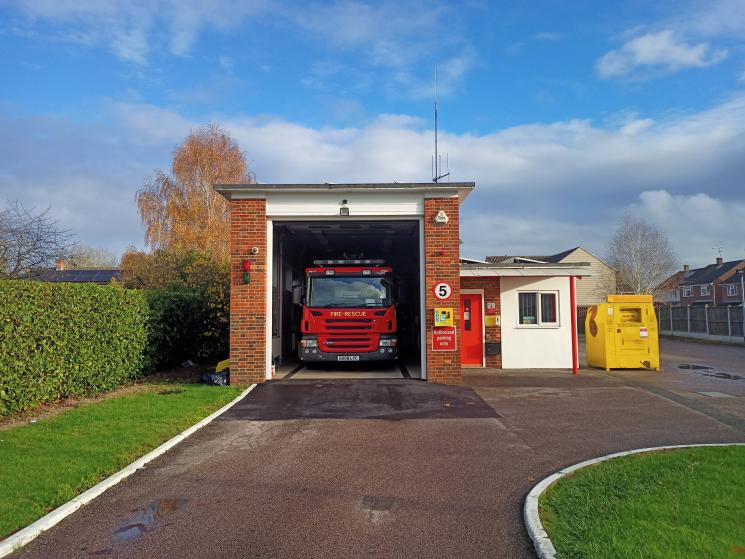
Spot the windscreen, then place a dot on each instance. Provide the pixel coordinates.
(348, 291)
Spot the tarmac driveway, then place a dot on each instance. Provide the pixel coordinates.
(377, 468)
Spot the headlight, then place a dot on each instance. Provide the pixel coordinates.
(309, 342)
(388, 342)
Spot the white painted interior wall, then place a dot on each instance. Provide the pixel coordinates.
(535, 347)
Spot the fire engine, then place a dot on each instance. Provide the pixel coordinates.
(349, 313)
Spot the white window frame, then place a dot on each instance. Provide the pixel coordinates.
(732, 289)
(708, 289)
(539, 323)
(687, 291)
(675, 295)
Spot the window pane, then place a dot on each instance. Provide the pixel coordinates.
(548, 307)
(527, 308)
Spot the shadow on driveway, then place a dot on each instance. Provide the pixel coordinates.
(392, 400)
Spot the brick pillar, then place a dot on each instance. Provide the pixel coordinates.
(248, 320)
(442, 264)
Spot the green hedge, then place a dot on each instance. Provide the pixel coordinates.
(62, 339)
(174, 327)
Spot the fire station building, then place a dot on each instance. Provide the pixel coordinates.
(450, 313)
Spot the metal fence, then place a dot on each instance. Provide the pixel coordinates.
(581, 314)
(722, 323)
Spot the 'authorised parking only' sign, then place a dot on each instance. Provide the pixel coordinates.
(443, 338)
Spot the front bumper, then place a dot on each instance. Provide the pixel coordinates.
(306, 354)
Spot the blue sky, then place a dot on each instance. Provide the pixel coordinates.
(567, 115)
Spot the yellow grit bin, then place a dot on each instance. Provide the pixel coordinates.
(622, 334)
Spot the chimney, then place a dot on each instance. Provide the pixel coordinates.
(60, 264)
(686, 268)
(720, 260)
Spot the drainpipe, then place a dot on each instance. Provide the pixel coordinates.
(575, 348)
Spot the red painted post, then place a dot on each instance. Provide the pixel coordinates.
(575, 348)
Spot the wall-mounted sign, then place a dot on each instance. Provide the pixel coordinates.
(443, 291)
(443, 317)
(491, 320)
(441, 217)
(443, 338)
(491, 308)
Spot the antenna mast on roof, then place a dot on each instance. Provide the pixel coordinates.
(718, 249)
(437, 173)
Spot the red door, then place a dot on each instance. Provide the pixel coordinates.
(472, 337)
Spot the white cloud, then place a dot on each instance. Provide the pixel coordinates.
(715, 18)
(657, 51)
(636, 126)
(390, 34)
(392, 40)
(540, 187)
(130, 27)
(698, 222)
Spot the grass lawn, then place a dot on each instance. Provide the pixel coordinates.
(45, 464)
(679, 503)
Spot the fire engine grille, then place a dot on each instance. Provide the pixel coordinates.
(349, 324)
(349, 343)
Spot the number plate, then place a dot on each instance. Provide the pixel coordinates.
(347, 357)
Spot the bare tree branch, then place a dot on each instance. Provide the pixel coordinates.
(85, 256)
(29, 239)
(643, 256)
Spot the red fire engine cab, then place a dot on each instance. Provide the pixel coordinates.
(349, 313)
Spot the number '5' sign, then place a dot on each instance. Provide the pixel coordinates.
(443, 291)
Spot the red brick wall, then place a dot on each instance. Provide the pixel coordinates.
(248, 320)
(490, 287)
(442, 263)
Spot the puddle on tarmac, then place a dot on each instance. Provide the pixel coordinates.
(148, 519)
(377, 508)
(708, 371)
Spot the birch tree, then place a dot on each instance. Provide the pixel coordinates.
(182, 210)
(643, 256)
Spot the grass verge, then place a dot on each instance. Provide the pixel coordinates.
(681, 503)
(46, 464)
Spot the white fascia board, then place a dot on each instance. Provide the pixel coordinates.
(526, 272)
(360, 204)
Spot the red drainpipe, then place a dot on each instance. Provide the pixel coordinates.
(573, 303)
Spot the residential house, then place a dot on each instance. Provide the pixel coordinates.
(720, 283)
(591, 289)
(61, 273)
(668, 292)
